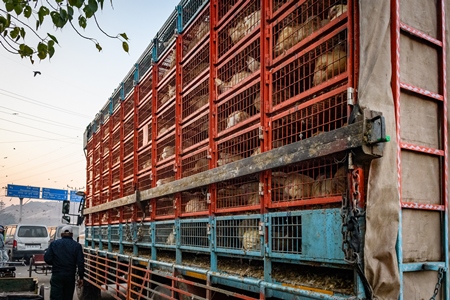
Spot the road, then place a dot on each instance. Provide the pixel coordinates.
(23, 271)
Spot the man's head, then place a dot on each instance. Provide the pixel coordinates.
(2, 228)
(67, 231)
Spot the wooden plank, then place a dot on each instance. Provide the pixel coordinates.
(345, 138)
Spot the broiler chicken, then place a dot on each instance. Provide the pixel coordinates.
(201, 165)
(238, 77)
(170, 239)
(253, 64)
(245, 26)
(251, 240)
(167, 152)
(293, 34)
(236, 117)
(322, 186)
(339, 181)
(195, 205)
(165, 180)
(336, 11)
(298, 186)
(329, 65)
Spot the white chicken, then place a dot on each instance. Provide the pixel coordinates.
(170, 239)
(195, 205)
(339, 181)
(167, 152)
(336, 11)
(163, 129)
(329, 65)
(226, 158)
(251, 240)
(298, 186)
(201, 165)
(322, 186)
(253, 64)
(236, 117)
(235, 79)
(293, 34)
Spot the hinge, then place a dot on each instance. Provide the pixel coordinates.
(261, 132)
(261, 228)
(261, 189)
(350, 96)
(208, 198)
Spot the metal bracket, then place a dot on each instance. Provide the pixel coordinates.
(374, 131)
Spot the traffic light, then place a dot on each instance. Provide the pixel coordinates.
(66, 207)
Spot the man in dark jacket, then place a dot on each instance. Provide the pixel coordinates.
(65, 255)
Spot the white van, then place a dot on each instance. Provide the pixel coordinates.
(24, 240)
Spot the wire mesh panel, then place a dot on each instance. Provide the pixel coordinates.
(194, 234)
(239, 146)
(197, 31)
(104, 195)
(316, 115)
(144, 161)
(116, 137)
(195, 99)
(165, 148)
(233, 113)
(96, 230)
(238, 68)
(165, 233)
(165, 207)
(115, 191)
(195, 133)
(194, 162)
(241, 193)
(105, 146)
(145, 89)
(115, 157)
(238, 233)
(166, 120)
(166, 35)
(242, 23)
(286, 234)
(128, 107)
(167, 64)
(128, 188)
(194, 202)
(225, 7)
(128, 126)
(128, 85)
(310, 182)
(166, 93)
(144, 181)
(195, 66)
(105, 130)
(144, 234)
(116, 116)
(114, 215)
(144, 112)
(145, 63)
(165, 174)
(128, 168)
(128, 147)
(144, 136)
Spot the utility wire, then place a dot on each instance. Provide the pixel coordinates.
(38, 119)
(31, 134)
(38, 129)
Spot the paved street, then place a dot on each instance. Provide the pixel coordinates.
(23, 271)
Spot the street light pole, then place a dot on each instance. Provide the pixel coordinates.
(20, 210)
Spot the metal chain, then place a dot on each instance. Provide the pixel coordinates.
(438, 284)
(128, 235)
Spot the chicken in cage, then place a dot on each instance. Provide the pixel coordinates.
(293, 34)
(170, 93)
(195, 205)
(250, 193)
(322, 186)
(170, 239)
(245, 26)
(167, 152)
(275, 144)
(199, 32)
(198, 102)
(201, 165)
(226, 158)
(336, 11)
(252, 64)
(236, 117)
(165, 180)
(298, 186)
(339, 181)
(235, 79)
(251, 240)
(330, 64)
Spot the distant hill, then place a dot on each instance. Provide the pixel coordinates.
(36, 212)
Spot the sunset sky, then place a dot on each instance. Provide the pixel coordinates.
(43, 118)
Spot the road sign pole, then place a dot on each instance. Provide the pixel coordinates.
(20, 210)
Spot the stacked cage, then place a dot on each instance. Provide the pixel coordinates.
(224, 81)
(194, 102)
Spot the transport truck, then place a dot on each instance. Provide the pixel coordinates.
(276, 149)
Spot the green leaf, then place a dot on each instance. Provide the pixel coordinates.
(22, 32)
(124, 36)
(27, 11)
(82, 22)
(50, 44)
(59, 19)
(9, 6)
(101, 4)
(70, 12)
(43, 11)
(51, 51)
(97, 45)
(14, 33)
(88, 11)
(53, 38)
(42, 55)
(93, 5)
(18, 9)
(125, 47)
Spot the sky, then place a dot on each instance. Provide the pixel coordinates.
(43, 117)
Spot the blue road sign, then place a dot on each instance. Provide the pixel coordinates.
(74, 197)
(54, 194)
(23, 191)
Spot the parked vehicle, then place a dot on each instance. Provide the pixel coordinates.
(24, 240)
(276, 150)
